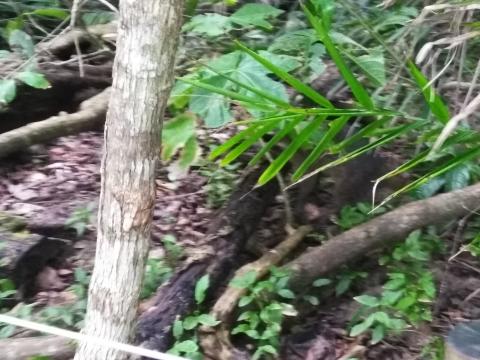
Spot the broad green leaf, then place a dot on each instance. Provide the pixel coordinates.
(190, 153)
(210, 105)
(244, 301)
(289, 79)
(381, 317)
(434, 101)
(278, 163)
(244, 281)
(358, 90)
(342, 39)
(362, 327)
(294, 42)
(286, 62)
(187, 346)
(255, 15)
(367, 300)
(373, 65)
(321, 282)
(8, 91)
(335, 127)
(34, 79)
(52, 13)
(209, 24)
(286, 293)
(21, 40)
(201, 288)
(286, 129)
(177, 329)
(378, 334)
(208, 320)
(430, 188)
(188, 156)
(176, 133)
(457, 178)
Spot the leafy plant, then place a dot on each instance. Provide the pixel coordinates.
(80, 219)
(408, 293)
(249, 15)
(434, 350)
(221, 182)
(352, 215)
(156, 273)
(184, 331)
(179, 135)
(173, 250)
(263, 309)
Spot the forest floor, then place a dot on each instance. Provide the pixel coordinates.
(47, 185)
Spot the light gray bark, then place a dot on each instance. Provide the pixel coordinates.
(143, 75)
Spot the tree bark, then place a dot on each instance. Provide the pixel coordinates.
(142, 78)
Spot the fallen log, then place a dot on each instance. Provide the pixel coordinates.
(91, 116)
(53, 347)
(226, 238)
(382, 231)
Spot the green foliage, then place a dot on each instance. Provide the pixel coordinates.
(262, 310)
(184, 331)
(80, 219)
(350, 216)
(221, 182)
(178, 134)
(173, 250)
(249, 15)
(434, 350)
(408, 293)
(156, 273)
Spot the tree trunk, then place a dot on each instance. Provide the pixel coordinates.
(142, 78)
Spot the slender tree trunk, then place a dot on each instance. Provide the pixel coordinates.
(142, 78)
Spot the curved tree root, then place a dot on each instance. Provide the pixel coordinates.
(91, 116)
(215, 341)
(382, 231)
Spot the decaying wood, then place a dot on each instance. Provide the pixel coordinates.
(53, 347)
(91, 116)
(382, 231)
(226, 238)
(215, 341)
(25, 255)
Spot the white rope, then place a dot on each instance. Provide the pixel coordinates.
(81, 337)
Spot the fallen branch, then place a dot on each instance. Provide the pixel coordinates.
(53, 347)
(382, 231)
(90, 116)
(215, 341)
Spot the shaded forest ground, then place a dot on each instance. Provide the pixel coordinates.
(47, 184)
